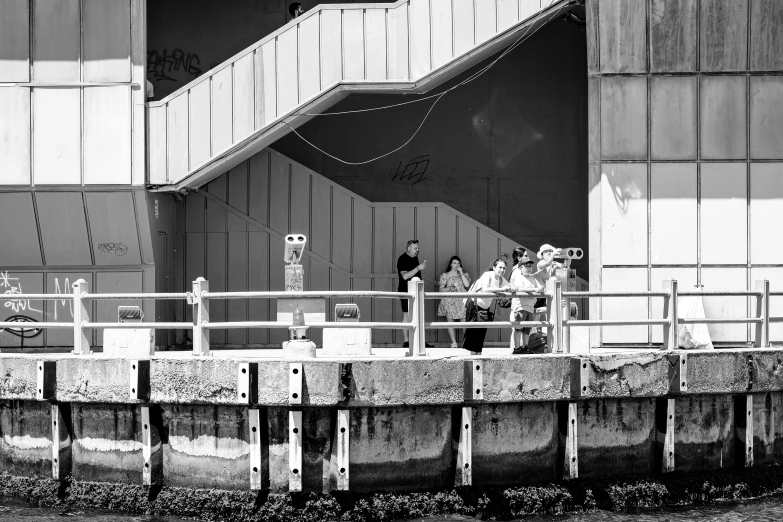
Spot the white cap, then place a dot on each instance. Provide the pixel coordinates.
(545, 247)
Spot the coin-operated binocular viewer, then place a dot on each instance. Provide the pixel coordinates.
(567, 277)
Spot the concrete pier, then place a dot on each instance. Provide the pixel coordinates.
(229, 423)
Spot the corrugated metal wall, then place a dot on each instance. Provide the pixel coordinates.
(686, 154)
(50, 239)
(234, 229)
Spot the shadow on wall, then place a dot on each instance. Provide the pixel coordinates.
(509, 149)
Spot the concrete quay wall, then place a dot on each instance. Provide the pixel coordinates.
(410, 424)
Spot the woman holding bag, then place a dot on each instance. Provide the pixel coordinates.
(477, 309)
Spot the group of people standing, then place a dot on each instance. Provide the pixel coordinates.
(526, 284)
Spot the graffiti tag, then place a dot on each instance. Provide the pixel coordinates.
(64, 290)
(12, 286)
(118, 248)
(22, 332)
(414, 170)
(161, 63)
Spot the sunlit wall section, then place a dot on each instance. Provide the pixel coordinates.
(72, 92)
(685, 156)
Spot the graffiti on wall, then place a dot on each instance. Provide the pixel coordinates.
(118, 249)
(18, 310)
(413, 171)
(64, 288)
(163, 65)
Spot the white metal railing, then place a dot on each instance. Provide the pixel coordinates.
(557, 305)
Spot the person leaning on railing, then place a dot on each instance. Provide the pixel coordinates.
(477, 309)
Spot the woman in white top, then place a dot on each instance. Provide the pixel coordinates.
(478, 308)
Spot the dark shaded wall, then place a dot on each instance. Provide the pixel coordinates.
(685, 154)
(508, 149)
(186, 38)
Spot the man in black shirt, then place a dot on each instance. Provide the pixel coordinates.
(408, 267)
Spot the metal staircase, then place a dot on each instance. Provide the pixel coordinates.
(248, 102)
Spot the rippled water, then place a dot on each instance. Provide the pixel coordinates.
(766, 510)
(15, 509)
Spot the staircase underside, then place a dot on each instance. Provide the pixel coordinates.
(177, 159)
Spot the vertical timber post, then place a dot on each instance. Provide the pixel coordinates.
(295, 377)
(81, 343)
(341, 450)
(570, 439)
(254, 420)
(743, 430)
(200, 316)
(464, 461)
(664, 438)
(61, 441)
(670, 312)
(555, 314)
(416, 346)
(146, 445)
(295, 451)
(762, 312)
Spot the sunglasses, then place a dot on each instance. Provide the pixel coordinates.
(528, 263)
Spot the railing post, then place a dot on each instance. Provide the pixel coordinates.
(200, 316)
(416, 345)
(81, 343)
(670, 312)
(762, 312)
(555, 314)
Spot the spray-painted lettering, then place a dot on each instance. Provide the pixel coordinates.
(161, 63)
(12, 286)
(413, 171)
(118, 248)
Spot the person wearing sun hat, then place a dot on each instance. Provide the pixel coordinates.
(547, 264)
(524, 280)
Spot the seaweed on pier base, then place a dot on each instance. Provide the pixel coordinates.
(619, 494)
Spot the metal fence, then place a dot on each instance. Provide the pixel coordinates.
(557, 322)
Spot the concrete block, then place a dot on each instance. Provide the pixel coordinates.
(767, 427)
(124, 342)
(616, 436)
(528, 378)
(320, 383)
(767, 370)
(340, 342)
(704, 432)
(18, 377)
(383, 456)
(92, 379)
(628, 375)
(107, 444)
(26, 444)
(195, 380)
(717, 371)
(419, 381)
(510, 437)
(206, 447)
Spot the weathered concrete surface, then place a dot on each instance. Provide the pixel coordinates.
(317, 426)
(514, 443)
(93, 379)
(206, 446)
(767, 427)
(25, 438)
(107, 443)
(628, 375)
(526, 378)
(616, 436)
(704, 432)
(320, 382)
(718, 371)
(420, 381)
(383, 456)
(18, 376)
(196, 380)
(767, 370)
